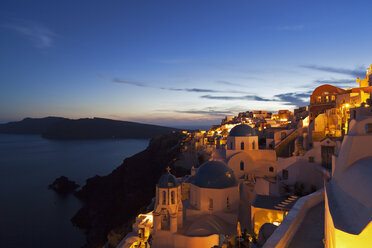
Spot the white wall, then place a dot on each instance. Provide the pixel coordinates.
(256, 162)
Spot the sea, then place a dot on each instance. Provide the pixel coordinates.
(30, 214)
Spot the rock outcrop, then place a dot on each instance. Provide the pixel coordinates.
(113, 201)
(63, 185)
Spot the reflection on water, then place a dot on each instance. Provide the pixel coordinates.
(30, 214)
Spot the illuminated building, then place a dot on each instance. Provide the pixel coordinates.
(168, 206)
(348, 201)
(208, 212)
(331, 112)
(245, 158)
(270, 209)
(323, 98)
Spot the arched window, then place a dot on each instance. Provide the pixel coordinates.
(227, 203)
(271, 169)
(172, 197)
(164, 198)
(241, 165)
(242, 146)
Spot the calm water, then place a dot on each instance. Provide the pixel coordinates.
(30, 214)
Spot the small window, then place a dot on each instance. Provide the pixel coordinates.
(227, 203)
(231, 145)
(319, 99)
(210, 204)
(253, 145)
(327, 98)
(333, 98)
(285, 174)
(311, 159)
(242, 146)
(172, 197)
(369, 128)
(271, 169)
(164, 198)
(241, 165)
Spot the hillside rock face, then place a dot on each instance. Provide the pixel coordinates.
(85, 128)
(99, 128)
(29, 125)
(113, 201)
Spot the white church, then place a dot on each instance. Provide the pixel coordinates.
(204, 208)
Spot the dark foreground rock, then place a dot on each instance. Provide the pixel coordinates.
(112, 202)
(63, 185)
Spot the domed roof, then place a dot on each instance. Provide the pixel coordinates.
(214, 174)
(167, 181)
(242, 130)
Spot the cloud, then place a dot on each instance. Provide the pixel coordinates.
(144, 85)
(294, 98)
(246, 97)
(210, 112)
(291, 28)
(228, 83)
(337, 82)
(357, 72)
(138, 84)
(41, 36)
(192, 90)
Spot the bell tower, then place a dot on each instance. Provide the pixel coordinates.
(168, 210)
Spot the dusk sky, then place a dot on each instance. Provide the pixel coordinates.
(176, 62)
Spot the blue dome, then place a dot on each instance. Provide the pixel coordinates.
(214, 174)
(242, 130)
(167, 181)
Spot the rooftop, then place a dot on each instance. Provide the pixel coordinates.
(274, 202)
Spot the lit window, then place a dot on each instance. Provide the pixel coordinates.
(333, 98)
(319, 99)
(241, 165)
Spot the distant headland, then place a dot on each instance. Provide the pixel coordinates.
(86, 128)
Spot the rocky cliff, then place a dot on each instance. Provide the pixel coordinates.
(113, 201)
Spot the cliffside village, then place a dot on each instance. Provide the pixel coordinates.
(289, 179)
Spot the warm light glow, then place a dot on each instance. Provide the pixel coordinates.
(305, 122)
(276, 223)
(148, 218)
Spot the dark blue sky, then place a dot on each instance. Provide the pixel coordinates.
(175, 62)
